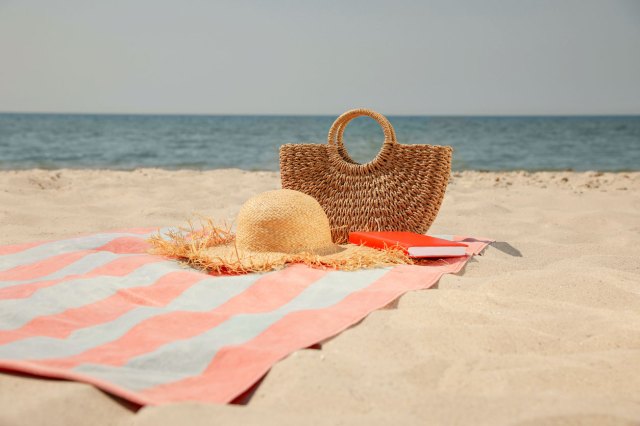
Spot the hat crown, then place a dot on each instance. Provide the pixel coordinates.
(284, 221)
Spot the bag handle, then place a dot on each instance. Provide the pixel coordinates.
(338, 154)
(336, 132)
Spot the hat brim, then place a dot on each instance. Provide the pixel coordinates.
(214, 250)
(227, 258)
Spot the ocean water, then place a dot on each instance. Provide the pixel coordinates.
(251, 142)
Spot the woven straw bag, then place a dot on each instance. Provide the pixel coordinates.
(401, 189)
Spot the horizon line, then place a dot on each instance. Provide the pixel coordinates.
(176, 114)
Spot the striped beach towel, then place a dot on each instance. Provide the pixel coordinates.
(98, 309)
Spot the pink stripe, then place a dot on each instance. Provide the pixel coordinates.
(475, 245)
(62, 324)
(43, 267)
(125, 245)
(268, 293)
(116, 268)
(18, 247)
(120, 245)
(235, 368)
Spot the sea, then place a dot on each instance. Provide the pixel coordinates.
(201, 142)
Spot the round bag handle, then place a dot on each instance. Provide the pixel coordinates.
(337, 129)
(343, 126)
(336, 133)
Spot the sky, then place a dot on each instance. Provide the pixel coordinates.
(526, 57)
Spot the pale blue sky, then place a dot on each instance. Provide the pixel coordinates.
(320, 57)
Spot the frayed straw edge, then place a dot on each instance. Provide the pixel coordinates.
(184, 243)
(189, 245)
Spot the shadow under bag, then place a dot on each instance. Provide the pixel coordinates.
(401, 189)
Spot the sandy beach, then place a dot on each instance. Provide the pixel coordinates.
(544, 328)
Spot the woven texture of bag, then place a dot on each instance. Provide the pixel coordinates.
(401, 189)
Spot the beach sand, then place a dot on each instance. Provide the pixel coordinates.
(544, 328)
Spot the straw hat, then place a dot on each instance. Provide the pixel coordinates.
(274, 228)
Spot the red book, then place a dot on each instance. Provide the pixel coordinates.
(415, 245)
